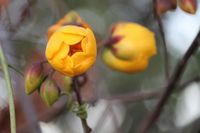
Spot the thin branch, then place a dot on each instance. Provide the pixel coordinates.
(10, 90)
(149, 94)
(172, 84)
(102, 118)
(16, 70)
(160, 25)
(86, 128)
(186, 83)
(114, 119)
(44, 62)
(136, 96)
(8, 16)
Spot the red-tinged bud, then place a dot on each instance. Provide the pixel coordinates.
(49, 92)
(189, 6)
(163, 6)
(34, 78)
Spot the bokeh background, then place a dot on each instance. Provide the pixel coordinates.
(23, 28)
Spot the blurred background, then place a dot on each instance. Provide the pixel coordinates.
(113, 107)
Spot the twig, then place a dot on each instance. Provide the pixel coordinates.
(86, 128)
(149, 94)
(102, 118)
(160, 25)
(44, 62)
(186, 83)
(172, 84)
(84, 79)
(8, 16)
(16, 70)
(10, 91)
(114, 119)
(136, 96)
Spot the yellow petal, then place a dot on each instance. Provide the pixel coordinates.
(68, 67)
(78, 58)
(137, 65)
(59, 56)
(84, 66)
(89, 49)
(125, 49)
(90, 43)
(52, 29)
(71, 39)
(71, 29)
(53, 45)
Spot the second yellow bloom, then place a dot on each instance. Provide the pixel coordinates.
(132, 52)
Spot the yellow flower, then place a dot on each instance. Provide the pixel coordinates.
(71, 18)
(134, 49)
(71, 50)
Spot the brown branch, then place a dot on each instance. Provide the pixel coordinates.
(186, 83)
(147, 95)
(102, 118)
(172, 84)
(114, 119)
(86, 128)
(160, 25)
(136, 96)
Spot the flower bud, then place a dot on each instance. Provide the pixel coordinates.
(49, 92)
(163, 6)
(34, 78)
(71, 50)
(132, 52)
(189, 6)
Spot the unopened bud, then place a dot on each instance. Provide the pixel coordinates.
(34, 78)
(49, 92)
(163, 6)
(189, 6)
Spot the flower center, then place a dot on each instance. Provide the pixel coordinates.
(75, 48)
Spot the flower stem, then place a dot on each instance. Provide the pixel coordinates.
(86, 128)
(10, 90)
